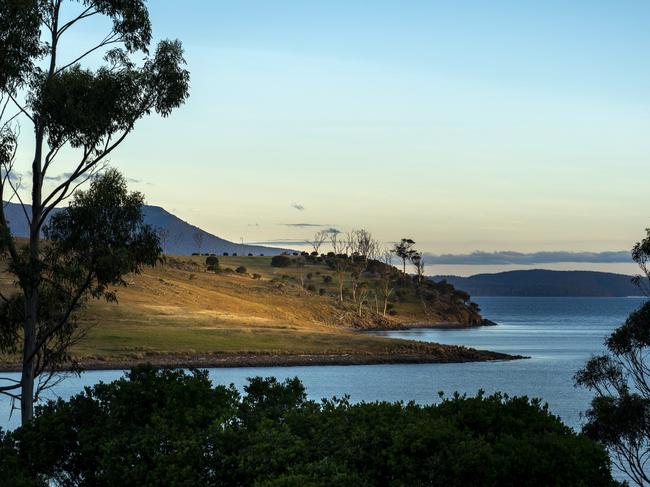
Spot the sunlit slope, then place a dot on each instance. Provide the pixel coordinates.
(181, 308)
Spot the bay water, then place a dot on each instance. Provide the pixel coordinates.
(558, 334)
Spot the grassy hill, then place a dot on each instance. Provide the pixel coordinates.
(181, 313)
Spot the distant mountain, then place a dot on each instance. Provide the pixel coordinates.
(545, 283)
(178, 236)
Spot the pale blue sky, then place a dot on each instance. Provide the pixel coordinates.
(518, 125)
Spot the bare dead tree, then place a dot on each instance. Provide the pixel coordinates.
(387, 279)
(198, 240)
(163, 236)
(318, 240)
(363, 293)
(300, 264)
(340, 263)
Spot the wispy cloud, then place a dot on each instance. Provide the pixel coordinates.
(510, 257)
(298, 206)
(59, 177)
(279, 241)
(302, 225)
(327, 228)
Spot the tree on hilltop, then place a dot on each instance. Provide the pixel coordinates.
(404, 250)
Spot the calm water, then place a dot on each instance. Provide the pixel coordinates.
(558, 333)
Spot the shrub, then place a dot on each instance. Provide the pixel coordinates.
(241, 270)
(212, 261)
(322, 291)
(234, 254)
(225, 254)
(213, 268)
(173, 427)
(250, 255)
(257, 276)
(280, 261)
(309, 275)
(311, 288)
(327, 279)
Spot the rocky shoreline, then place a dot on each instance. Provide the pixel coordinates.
(411, 354)
(429, 324)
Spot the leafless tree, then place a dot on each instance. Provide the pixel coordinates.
(198, 240)
(340, 261)
(365, 244)
(300, 264)
(363, 293)
(318, 240)
(386, 279)
(163, 236)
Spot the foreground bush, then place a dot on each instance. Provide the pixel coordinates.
(169, 427)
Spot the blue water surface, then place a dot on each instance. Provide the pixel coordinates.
(559, 334)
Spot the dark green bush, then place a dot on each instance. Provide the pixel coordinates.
(241, 270)
(171, 427)
(212, 261)
(280, 261)
(257, 276)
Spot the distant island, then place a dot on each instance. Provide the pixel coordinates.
(545, 283)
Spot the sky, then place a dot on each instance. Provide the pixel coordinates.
(467, 125)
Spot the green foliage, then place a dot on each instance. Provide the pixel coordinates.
(280, 261)
(20, 31)
(620, 411)
(84, 113)
(170, 427)
(93, 243)
(241, 270)
(212, 261)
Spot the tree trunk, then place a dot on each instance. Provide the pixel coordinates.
(27, 378)
(32, 288)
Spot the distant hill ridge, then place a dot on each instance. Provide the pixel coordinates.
(540, 282)
(179, 235)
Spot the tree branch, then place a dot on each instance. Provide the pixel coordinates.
(70, 23)
(112, 38)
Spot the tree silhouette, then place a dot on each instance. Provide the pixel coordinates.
(404, 250)
(82, 112)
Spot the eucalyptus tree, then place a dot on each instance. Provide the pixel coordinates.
(619, 416)
(79, 107)
(404, 250)
(418, 262)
